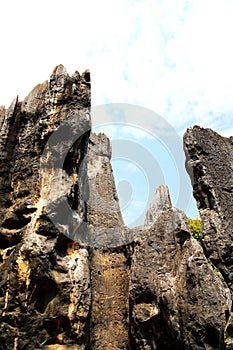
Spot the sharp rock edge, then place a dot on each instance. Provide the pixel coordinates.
(72, 276)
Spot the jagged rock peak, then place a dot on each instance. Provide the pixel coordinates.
(172, 285)
(102, 145)
(59, 70)
(95, 284)
(209, 161)
(160, 203)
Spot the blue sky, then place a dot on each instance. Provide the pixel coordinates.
(146, 152)
(172, 57)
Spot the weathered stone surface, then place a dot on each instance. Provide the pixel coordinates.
(210, 163)
(102, 206)
(44, 276)
(109, 264)
(110, 299)
(2, 113)
(58, 186)
(160, 203)
(173, 302)
(72, 276)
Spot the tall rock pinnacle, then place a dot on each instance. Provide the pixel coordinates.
(210, 165)
(72, 275)
(161, 202)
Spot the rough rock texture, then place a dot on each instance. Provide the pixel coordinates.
(210, 164)
(160, 203)
(108, 264)
(72, 276)
(173, 304)
(45, 277)
(57, 186)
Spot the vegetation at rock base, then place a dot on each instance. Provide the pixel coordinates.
(195, 228)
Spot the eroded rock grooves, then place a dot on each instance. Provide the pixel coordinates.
(210, 165)
(72, 276)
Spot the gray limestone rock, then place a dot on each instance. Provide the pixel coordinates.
(45, 292)
(173, 302)
(72, 276)
(210, 163)
(160, 202)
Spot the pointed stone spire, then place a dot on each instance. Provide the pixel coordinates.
(59, 70)
(59, 78)
(160, 203)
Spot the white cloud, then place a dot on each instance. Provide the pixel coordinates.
(135, 132)
(131, 167)
(173, 57)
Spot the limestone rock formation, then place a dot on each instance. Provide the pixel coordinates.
(159, 204)
(45, 279)
(72, 276)
(210, 165)
(173, 303)
(58, 203)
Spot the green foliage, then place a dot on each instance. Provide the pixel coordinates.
(212, 265)
(195, 228)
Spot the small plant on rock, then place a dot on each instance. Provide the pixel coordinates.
(195, 228)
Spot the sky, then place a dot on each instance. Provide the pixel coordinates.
(171, 57)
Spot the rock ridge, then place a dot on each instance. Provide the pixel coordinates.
(72, 275)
